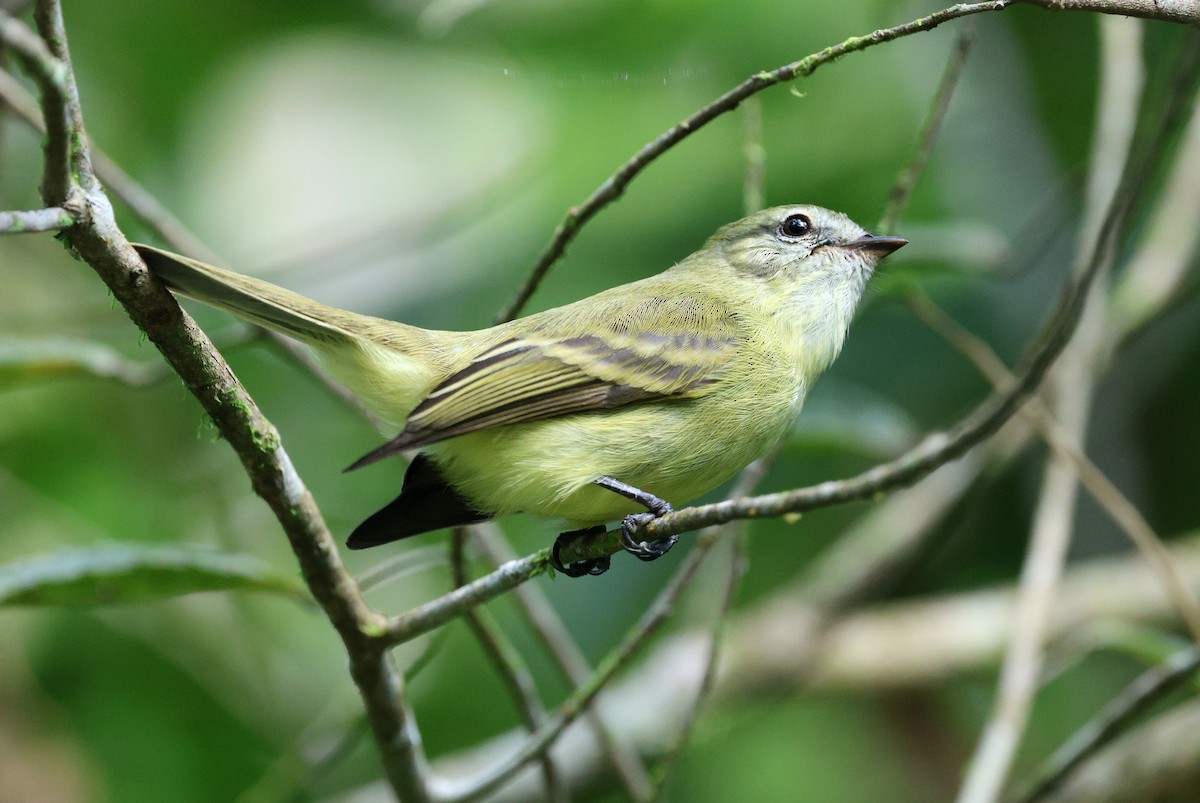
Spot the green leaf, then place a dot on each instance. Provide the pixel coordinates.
(133, 573)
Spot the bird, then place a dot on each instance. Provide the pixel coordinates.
(600, 410)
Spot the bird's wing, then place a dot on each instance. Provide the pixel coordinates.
(651, 351)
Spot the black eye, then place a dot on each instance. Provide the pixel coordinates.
(795, 226)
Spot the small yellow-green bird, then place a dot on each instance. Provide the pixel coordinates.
(599, 410)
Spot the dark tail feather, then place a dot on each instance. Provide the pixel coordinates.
(426, 502)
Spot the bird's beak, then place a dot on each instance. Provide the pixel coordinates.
(879, 246)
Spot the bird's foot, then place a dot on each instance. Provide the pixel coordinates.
(642, 550)
(645, 550)
(591, 566)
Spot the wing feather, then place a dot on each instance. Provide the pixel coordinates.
(540, 375)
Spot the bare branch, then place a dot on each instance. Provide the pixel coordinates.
(549, 626)
(615, 185)
(906, 181)
(1159, 761)
(38, 220)
(98, 241)
(1186, 12)
(1102, 489)
(1054, 516)
(53, 79)
(435, 613)
(508, 663)
(1149, 687)
(1183, 11)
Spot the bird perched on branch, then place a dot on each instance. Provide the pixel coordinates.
(600, 410)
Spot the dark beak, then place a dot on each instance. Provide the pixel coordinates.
(882, 246)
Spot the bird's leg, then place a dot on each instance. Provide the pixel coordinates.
(579, 568)
(642, 550)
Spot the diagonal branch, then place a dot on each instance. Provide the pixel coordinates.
(993, 756)
(1147, 689)
(509, 664)
(98, 241)
(546, 622)
(1107, 495)
(910, 174)
(1181, 11)
(615, 185)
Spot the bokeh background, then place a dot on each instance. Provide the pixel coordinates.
(410, 158)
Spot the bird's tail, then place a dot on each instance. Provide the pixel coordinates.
(389, 365)
(253, 299)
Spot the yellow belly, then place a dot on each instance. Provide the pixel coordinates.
(677, 450)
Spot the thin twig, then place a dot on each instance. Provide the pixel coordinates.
(615, 185)
(435, 613)
(910, 174)
(50, 73)
(631, 644)
(624, 761)
(99, 242)
(37, 220)
(1147, 689)
(1107, 495)
(991, 762)
(509, 664)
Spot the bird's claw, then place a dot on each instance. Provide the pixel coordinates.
(645, 550)
(580, 568)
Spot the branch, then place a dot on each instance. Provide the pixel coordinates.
(1186, 12)
(1150, 687)
(615, 185)
(99, 242)
(1072, 384)
(52, 76)
(549, 626)
(906, 181)
(1160, 762)
(38, 220)
(1066, 445)
(1181, 11)
(509, 664)
(771, 651)
(435, 613)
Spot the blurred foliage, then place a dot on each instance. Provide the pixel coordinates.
(409, 158)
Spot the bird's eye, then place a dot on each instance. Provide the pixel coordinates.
(795, 226)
